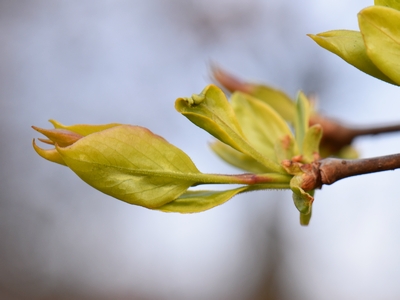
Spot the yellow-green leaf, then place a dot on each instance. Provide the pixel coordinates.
(302, 118)
(83, 129)
(302, 200)
(237, 159)
(349, 45)
(198, 201)
(277, 99)
(49, 154)
(262, 125)
(286, 148)
(380, 27)
(211, 111)
(132, 164)
(389, 3)
(305, 218)
(311, 144)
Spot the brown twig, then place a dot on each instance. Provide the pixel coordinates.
(336, 135)
(334, 169)
(330, 170)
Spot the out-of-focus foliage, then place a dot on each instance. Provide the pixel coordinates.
(330, 144)
(375, 49)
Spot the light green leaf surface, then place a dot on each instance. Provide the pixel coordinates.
(302, 118)
(349, 45)
(132, 164)
(311, 144)
(389, 3)
(286, 148)
(262, 125)
(83, 129)
(49, 154)
(237, 159)
(305, 218)
(380, 27)
(211, 111)
(277, 99)
(302, 200)
(198, 201)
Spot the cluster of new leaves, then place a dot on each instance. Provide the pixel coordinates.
(278, 141)
(134, 165)
(375, 49)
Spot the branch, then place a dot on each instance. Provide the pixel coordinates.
(334, 169)
(337, 135)
(331, 170)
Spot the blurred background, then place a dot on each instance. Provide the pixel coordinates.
(127, 61)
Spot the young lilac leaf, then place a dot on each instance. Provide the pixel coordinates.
(395, 4)
(64, 136)
(83, 129)
(302, 118)
(380, 27)
(305, 218)
(198, 201)
(286, 148)
(275, 98)
(349, 45)
(262, 125)
(311, 144)
(211, 111)
(132, 164)
(61, 137)
(237, 159)
(302, 200)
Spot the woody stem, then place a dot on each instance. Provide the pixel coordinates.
(334, 169)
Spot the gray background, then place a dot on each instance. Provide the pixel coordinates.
(127, 61)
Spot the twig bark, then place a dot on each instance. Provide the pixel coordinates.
(334, 169)
(336, 135)
(331, 170)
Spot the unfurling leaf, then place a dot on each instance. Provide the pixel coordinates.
(237, 159)
(198, 201)
(63, 136)
(83, 129)
(302, 118)
(311, 143)
(275, 98)
(302, 199)
(262, 126)
(349, 45)
(211, 111)
(380, 27)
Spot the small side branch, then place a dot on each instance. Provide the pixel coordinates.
(336, 135)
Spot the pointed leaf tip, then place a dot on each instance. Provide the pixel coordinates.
(349, 45)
